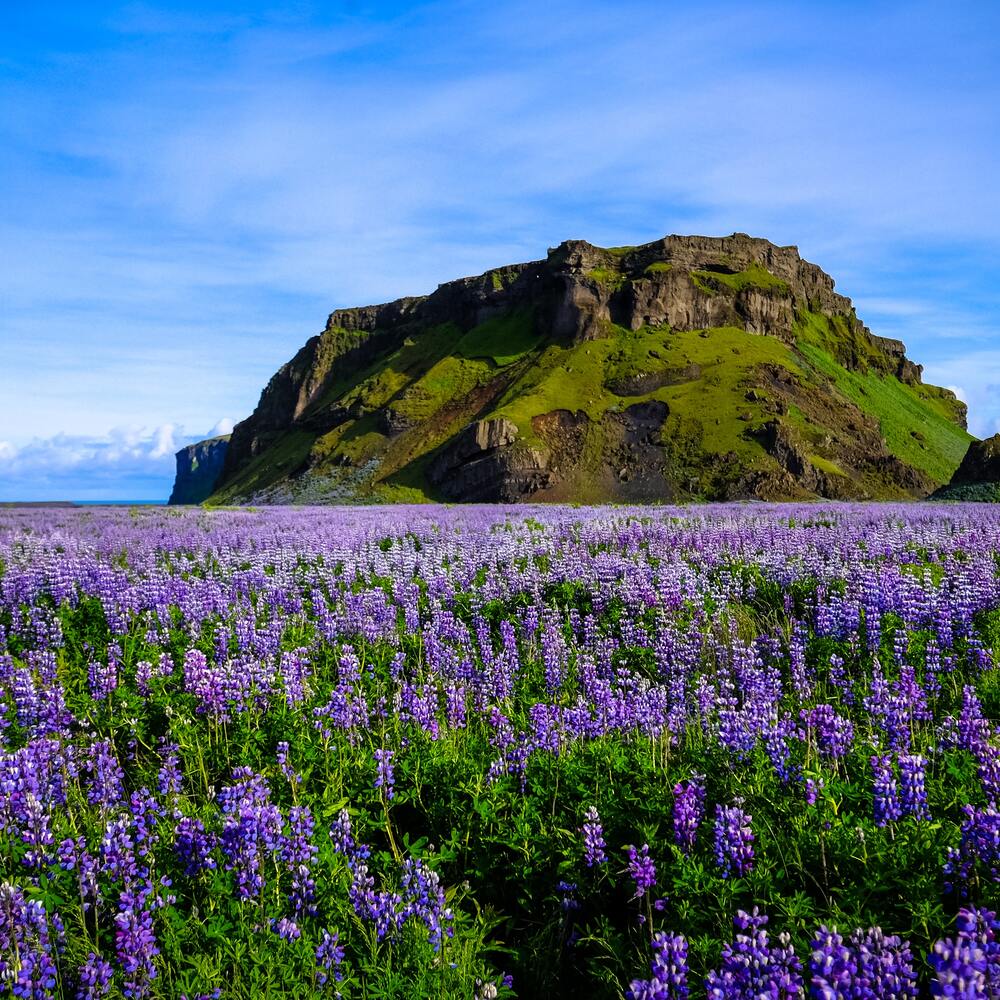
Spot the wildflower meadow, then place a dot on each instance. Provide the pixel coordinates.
(485, 752)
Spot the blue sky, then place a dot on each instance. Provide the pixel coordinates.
(187, 189)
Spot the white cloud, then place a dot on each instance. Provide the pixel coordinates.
(223, 426)
(163, 441)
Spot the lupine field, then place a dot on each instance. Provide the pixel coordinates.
(725, 751)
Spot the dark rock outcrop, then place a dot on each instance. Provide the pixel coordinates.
(981, 463)
(198, 469)
(977, 478)
(484, 464)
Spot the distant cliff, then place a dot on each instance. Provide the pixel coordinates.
(691, 367)
(198, 468)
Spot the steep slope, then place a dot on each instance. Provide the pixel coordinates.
(692, 367)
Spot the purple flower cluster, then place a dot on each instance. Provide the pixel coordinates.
(27, 948)
(733, 841)
(689, 811)
(754, 966)
(868, 965)
(385, 777)
(594, 847)
(670, 971)
(642, 870)
(968, 965)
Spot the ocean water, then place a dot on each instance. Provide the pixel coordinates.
(119, 503)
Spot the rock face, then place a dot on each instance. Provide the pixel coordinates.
(981, 463)
(692, 366)
(484, 463)
(978, 476)
(198, 468)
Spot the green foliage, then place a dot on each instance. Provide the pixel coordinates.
(281, 458)
(503, 339)
(609, 278)
(899, 408)
(754, 276)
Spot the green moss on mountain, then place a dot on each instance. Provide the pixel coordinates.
(917, 425)
(503, 339)
(754, 276)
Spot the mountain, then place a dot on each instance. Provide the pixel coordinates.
(198, 469)
(689, 368)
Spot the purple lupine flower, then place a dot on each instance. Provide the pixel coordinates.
(753, 967)
(913, 794)
(885, 796)
(135, 944)
(385, 777)
(94, 978)
(194, 846)
(329, 956)
(968, 965)
(567, 896)
(594, 847)
(642, 870)
(25, 932)
(689, 811)
(833, 965)
(813, 788)
(869, 965)
(977, 856)
(422, 896)
(343, 840)
(831, 732)
(281, 756)
(143, 675)
(733, 840)
(286, 929)
(885, 965)
(169, 779)
(251, 830)
(102, 678)
(670, 971)
(298, 854)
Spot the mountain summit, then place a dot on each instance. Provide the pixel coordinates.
(689, 368)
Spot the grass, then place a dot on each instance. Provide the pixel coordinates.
(573, 379)
(754, 276)
(607, 277)
(278, 460)
(451, 377)
(503, 339)
(825, 465)
(899, 409)
(388, 374)
(658, 267)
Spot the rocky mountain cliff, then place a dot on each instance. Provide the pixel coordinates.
(978, 476)
(691, 367)
(198, 469)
